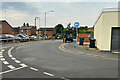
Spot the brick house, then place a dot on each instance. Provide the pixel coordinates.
(26, 29)
(15, 30)
(85, 36)
(50, 32)
(91, 28)
(5, 27)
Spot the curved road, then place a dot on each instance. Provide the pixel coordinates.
(45, 60)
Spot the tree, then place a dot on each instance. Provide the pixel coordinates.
(59, 28)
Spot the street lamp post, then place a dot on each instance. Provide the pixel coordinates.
(5, 14)
(35, 21)
(45, 22)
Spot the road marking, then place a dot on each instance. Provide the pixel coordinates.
(11, 67)
(5, 62)
(2, 59)
(17, 61)
(11, 70)
(23, 65)
(9, 52)
(2, 50)
(33, 69)
(64, 78)
(13, 58)
(1, 56)
(48, 74)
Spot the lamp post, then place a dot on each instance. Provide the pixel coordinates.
(35, 22)
(5, 13)
(45, 22)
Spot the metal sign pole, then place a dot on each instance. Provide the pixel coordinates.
(76, 36)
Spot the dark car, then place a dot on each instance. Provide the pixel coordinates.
(68, 37)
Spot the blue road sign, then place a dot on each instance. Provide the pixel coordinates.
(76, 24)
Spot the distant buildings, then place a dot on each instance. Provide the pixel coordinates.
(5, 27)
(50, 32)
(15, 30)
(26, 29)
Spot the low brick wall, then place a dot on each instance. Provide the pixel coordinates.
(85, 36)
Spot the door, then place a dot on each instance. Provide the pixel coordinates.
(115, 39)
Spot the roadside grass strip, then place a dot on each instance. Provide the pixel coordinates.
(61, 47)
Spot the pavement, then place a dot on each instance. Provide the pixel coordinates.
(45, 60)
(72, 46)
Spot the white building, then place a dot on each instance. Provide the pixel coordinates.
(107, 30)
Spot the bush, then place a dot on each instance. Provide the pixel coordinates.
(85, 31)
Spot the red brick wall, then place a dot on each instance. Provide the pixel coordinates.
(50, 33)
(6, 29)
(33, 31)
(30, 32)
(85, 36)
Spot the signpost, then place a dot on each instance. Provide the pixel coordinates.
(76, 24)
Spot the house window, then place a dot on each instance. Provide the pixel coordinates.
(26, 31)
(22, 30)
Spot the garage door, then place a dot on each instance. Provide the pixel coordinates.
(115, 39)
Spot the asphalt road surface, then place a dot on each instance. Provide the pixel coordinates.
(43, 59)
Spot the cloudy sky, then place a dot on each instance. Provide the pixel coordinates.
(86, 13)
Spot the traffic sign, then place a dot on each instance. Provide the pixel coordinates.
(76, 24)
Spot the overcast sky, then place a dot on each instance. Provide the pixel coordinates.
(86, 13)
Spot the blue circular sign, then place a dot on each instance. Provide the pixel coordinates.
(76, 24)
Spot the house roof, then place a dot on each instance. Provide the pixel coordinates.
(26, 27)
(107, 10)
(6, 22)
(16, 29)
(47, 29)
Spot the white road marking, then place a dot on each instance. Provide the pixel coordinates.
(2, 59)
(2, 50)
(5, 62)
(9, 52)
(23, 65)
(13, 58)
(11, 70)
(1, 56)
(33, 69)
(10, 56)
(64, 78)
(11, 67)
(48, 74)
(17, 61)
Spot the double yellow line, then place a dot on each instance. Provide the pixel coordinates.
(61, 47)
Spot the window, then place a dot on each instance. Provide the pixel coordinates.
(26, 31)
(22, 30)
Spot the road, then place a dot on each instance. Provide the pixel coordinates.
(43, 59)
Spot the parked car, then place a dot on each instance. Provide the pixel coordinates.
(6, 36)
(68, 37)
(33, 37)
(21, 36)
(28, 37)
